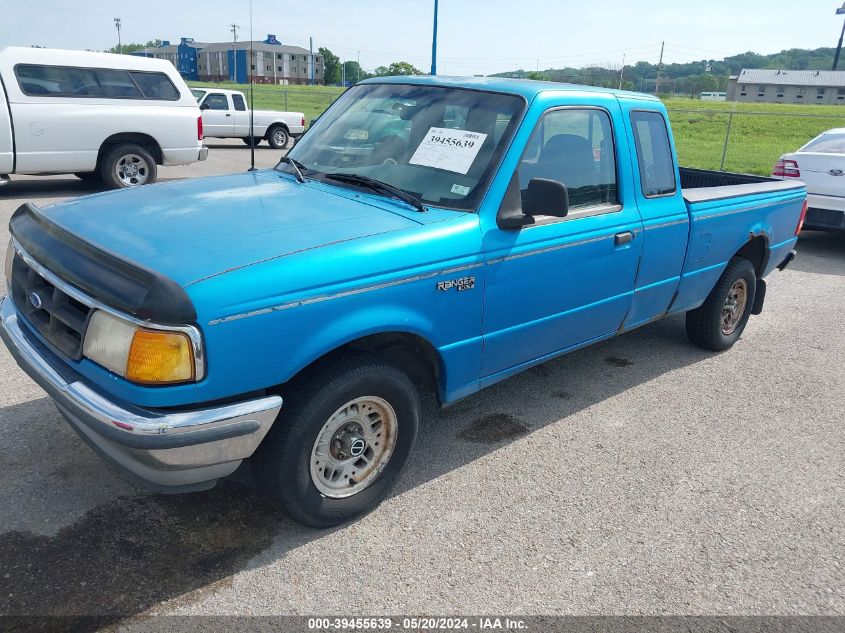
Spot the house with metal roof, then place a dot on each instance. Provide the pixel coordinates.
(270, 62)
(819, 87)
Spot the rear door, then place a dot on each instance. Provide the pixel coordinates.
(7, 154)
(241, 114)
(217, 115)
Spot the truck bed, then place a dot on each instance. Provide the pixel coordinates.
(703, 185)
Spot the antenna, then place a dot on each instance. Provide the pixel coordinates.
(251, 97)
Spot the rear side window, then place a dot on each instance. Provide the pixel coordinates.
(238, 100)
(105, 83)
(826, 144)
(657, 167)
(156, 86)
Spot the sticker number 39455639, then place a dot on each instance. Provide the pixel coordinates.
(448, 149)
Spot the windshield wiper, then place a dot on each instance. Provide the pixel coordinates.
(297, 167)
(377, 186)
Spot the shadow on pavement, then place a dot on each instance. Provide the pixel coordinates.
(820, 252)
(134, 551)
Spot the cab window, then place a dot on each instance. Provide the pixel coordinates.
(215, 101)
(654, 154)
(240, 105)
(573, 146)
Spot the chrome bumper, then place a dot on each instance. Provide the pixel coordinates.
(168, 451)
(203, 152)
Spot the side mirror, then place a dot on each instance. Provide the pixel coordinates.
(204, 106)
(546, 197)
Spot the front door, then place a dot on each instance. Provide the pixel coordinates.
(562, 282)
(217, 119)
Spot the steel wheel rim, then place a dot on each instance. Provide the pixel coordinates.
(132, 170)
(338, 470)
(734, 306)
(280, 137)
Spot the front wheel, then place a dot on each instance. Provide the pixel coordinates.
(341, 441)
(248, 141)
(278, 137)
(127, 166)
(720, 320)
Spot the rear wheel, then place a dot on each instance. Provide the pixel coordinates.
(127, 166)
(278, 137)
(342, 440)
(720, 320)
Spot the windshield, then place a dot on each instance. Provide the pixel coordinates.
(438, 144)
(198, 94)
(829, 143)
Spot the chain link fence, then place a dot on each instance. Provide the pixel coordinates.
(743, 140)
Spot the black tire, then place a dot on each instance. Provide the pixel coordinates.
(704, 324)
(89, 176)
(146, 165)
(246, 140)
(278, 137)
(282, 462)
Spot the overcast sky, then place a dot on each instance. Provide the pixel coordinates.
(475, 36)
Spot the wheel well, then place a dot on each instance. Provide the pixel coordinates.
(756, 251)
(411, 353)
(144, 140)
(274, 125)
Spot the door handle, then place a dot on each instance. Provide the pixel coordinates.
(227, 114)
(623, 238)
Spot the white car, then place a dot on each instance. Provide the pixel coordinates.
(821, 165)
(97, 115)
(225, 115)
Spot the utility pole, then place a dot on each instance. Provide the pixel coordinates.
(119, 45)
(311, 57)
(234, 29)
(434, 43)
(622, 72)
(659, 68)
(839, 11)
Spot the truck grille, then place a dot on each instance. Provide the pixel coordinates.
(58, 317)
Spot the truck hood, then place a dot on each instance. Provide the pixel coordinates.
(194, 229)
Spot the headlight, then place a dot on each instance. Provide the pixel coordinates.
(10, 257)
(138, 354)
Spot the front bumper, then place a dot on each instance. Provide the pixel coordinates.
(168, 451)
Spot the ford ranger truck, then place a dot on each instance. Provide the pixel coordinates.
(289, 316)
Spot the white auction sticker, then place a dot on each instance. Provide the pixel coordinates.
(447, 149)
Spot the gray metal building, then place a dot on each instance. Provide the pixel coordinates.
(820, 87)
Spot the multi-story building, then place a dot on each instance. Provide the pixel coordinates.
(271, 62)
(821, 87)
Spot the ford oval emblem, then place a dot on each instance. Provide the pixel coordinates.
(836, 172)
(357, 447)
(35, 300)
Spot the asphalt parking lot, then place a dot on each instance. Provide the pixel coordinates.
(639, 476)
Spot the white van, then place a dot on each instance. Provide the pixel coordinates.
(97, 115)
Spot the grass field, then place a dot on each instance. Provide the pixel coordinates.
(756, 140)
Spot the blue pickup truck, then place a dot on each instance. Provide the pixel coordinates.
(426, 231)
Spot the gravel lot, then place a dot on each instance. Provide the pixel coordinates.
(639, 476)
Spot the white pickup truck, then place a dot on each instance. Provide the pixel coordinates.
(225, 115)
(106, 118)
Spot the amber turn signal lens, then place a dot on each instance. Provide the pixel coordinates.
(160, 357)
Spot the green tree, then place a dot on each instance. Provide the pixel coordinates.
(331, 63)
(132, 47)
(398, 68)
(354, 72)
